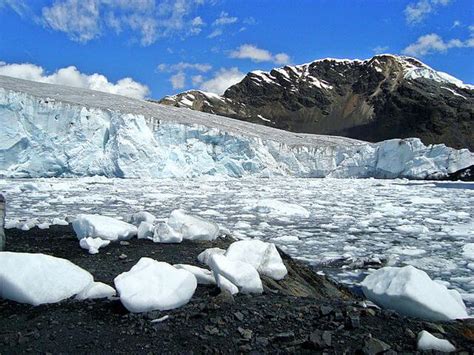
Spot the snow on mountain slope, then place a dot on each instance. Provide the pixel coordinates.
(380, 98)
(50, 130)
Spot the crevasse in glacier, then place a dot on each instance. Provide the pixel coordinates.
(49, 130)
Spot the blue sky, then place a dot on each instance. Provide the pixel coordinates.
(151, 48)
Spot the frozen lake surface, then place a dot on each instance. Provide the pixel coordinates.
(326, 222)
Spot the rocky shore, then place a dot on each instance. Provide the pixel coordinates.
(304, 313)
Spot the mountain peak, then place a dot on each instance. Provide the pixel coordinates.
(383, 97)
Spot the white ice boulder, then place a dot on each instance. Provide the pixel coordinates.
(37, 278)
(95, 226)
(96, 290)
(411, 292)
(206, 254)
(226, 285)
(192, 227)
(203, 276)
(139, 217)
(163, 233)
(426, 341)
(145, 230)
(261, 255)
(153, 285)
(92, 245)
(281, 208)
(241, 274)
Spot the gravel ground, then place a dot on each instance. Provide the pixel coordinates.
(305, 313)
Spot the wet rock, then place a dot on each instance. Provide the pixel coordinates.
(373, 346)
(262, 341)
(245, 333)
(285, 336)
(224, 297)
(239, 316)
(325, 310)
(320, 339)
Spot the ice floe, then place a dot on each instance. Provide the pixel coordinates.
(263, 256)
(411, 292)
(92, 245)
(153, 285)
(96, 226)
(426, 341)
(96, 290)
(37, 278)
(240, 274)
(206, 254)
(203, 276)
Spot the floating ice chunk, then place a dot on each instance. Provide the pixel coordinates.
(206, 254)
(412, 229)
(12, 223)
(93, 244)
(241, 274)
(59, 222)
(140, 217)
(96, 290)
(44, 225)
(152, 285)
(411, 292)
(261, 255)
(408, 250)
(89, 225)
(203, 276)
(286, 239)
(468, 251)
(145, 230)
(192, 227)
(29, 186)
(37, 278)
(418, 200)
(164, 233)
(427, 341)
(281, 208)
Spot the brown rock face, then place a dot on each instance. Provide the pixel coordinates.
(380, 98)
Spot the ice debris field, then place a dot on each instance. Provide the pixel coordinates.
(342, 226)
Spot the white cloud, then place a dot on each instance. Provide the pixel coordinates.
(224, 19)
(182, 66)
(432, 43)
(80, 19)
(85, 20)
(222, 79)
(416, 12)
(178, 80)
(252, 52)
(456, 23)
(216, 33)
(380, 49)
(197, 79)
(71, 76)
(281, 58)
(19, 6)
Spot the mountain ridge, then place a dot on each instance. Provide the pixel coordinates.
(380, 98)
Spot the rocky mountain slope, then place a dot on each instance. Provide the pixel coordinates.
(376, 99)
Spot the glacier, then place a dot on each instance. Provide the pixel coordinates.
(56, 131)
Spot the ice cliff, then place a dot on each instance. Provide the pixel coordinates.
(49, 130)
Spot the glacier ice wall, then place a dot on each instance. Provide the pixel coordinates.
(46, 131)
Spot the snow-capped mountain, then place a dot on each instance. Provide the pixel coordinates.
(50, 130)
(380, 98)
